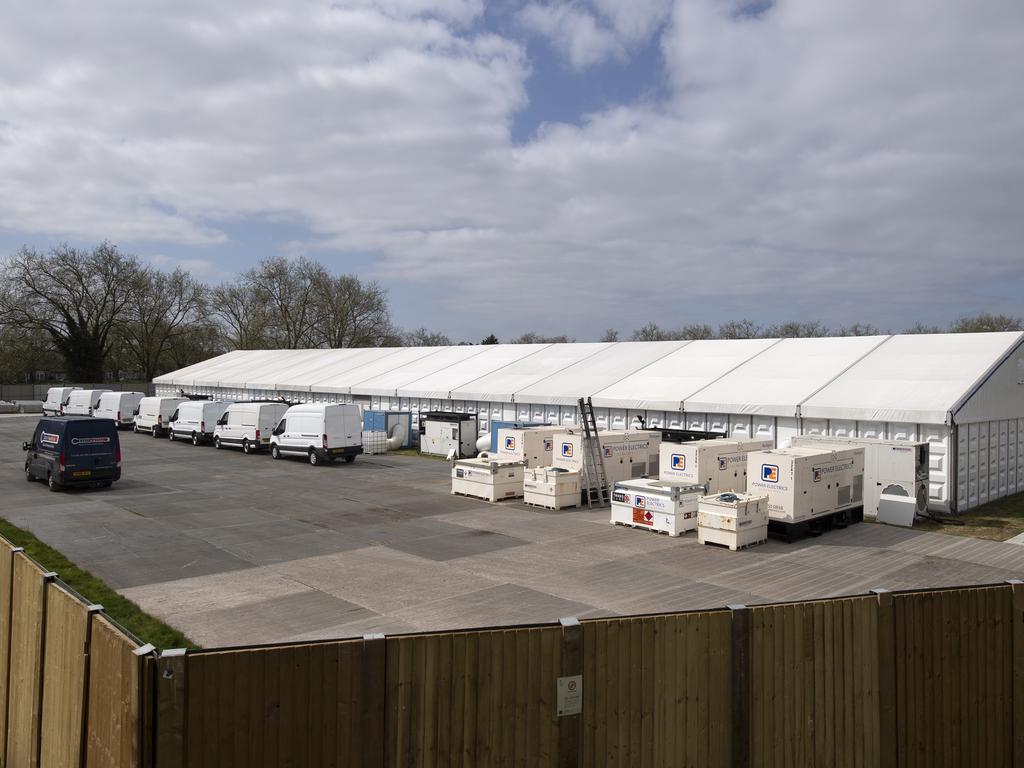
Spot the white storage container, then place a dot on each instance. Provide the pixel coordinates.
(734, 520)
(490, 478)
(628, 454)
(441, 433)
(656, 505)
(534, 445)
(891, 467)
(552, 487)
(804, 484)
(718, 465)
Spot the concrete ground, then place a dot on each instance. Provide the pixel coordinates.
(236, 549)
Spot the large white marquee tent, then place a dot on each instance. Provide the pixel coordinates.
(963, 393)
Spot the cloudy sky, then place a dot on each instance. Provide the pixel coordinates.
(562, 166)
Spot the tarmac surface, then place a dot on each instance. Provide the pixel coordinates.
(239, 550)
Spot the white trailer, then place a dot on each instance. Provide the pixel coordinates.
(809, 489)
(892, 468)
(656, 505)
(734, 520)
(552, 487)
(448, 434)
(718, 465)
(628, 454)
(533, 445)
(491, 478)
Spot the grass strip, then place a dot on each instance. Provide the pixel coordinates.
(117, 607)
(997, 521)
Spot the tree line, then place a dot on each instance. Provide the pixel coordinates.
(90, 313)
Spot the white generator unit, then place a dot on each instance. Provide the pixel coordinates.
(533, 445)
(490, 478)
(448, 434)
(718, 465)
(628, 454)
(808, 488)
(552, 487)
(656, 505)
(893, 468)
(734, 520)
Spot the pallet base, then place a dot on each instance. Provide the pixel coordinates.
(732, 547)
(647, 528)
(816, 526)
(485, 498)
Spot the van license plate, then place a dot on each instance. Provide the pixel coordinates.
(86, 473)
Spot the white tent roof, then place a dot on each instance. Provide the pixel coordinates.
(439, 384)
(594, 373)
(386, 384)
(915, 379)
(665, 383)
(345, 381)
(186, 374)
(237, 372)
(297, 373)
(502, 384)
(776, 381)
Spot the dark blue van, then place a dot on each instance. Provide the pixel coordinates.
(74, 450)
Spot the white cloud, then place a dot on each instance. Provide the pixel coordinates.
(573, 30)
(818, 160)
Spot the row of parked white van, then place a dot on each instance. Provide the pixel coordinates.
(320, 432)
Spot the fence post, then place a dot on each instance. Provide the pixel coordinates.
(1017, 623)
(171, 708)
(570, 725)
(742, 695)
(374, 697)
(887, 752)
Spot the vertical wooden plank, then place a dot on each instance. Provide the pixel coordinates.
(371, 658)
(658, 704)
(671, 727)
(171, 708)
(886, 666)
(741, 685)
(600, 684)
(718, 719)
(519, 693)
(457, 660)
(470, 687)
(485, 675)
(550, 659)
(7, 552)
(806, 627)
(28, 615)
(625, 701)
(614, 696)
(696, 684)
(63, 695)
(570, 726)
(1017, 640)
(647, 691)
(508, 698)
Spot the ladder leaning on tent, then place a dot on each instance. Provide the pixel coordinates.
(595, 482)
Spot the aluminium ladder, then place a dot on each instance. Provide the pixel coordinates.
(595, 481)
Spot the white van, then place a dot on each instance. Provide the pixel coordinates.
(196, 419)
(155, 414)
(248, 425)
(56, 399)
(320, 431)
(82, 402)
(119, 406)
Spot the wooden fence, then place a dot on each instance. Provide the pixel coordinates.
(923, 678)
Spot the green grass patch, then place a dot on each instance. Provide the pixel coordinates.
(416, 452)
(997, 521)
(119, 608)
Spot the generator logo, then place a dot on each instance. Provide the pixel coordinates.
(90, 440)
(678, 461)
(723, 464)
(607, 452)
(549, 444)
(48, 438)
(510, 443)
(567, 450)
(817, 475)
(770, 473)
(640, 501)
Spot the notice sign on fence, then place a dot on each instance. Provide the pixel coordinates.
(570, 695)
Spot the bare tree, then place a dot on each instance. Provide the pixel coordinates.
(532, 337)
(421, 337)
(490, 339)
(739, 329)
(293, 294)
(796, 330)
(244, 317)
(984, 323)
(76, 297)
(920, 327)
(24, 352)
(610, 335)
(859, 329)
(161, 307)
(199, 340)
(351, 313)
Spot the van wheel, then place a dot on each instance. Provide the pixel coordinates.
(313, 458)
(195, 439)
(156, 433)
(275, 452)
(170, 435)
(349, 459)
(53, 484)
(135, 428)
(216, 442)
(28, 473)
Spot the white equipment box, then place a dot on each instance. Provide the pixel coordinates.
(803, 484)
(656, 505)
(534, 445)
(441, 433)
(628, 454)
(891, 467)
(735, 520)
(489, 478)
(718, 465)
(552, 487)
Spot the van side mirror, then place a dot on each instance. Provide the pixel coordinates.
(26, 446)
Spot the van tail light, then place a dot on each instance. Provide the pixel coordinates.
(118, 415)
(257, 435)
(60, 461)
(117, 456)
(325, 442)
(159, 419)
(202, 426)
